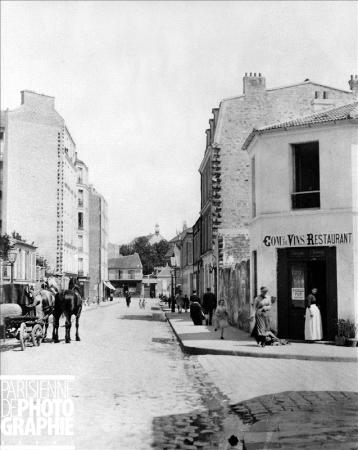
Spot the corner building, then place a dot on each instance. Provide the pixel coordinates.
(304, 227)
(226, 176)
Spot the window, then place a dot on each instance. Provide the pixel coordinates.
(80, 175)
(80, 197)
(306, 185)
(80, 243)
(80, 266)
(131, 274)
(316, 94)
(80, 220)
(325, 94)
(253, 188)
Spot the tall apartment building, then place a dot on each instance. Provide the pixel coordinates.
(83, 226)
(98, 244)
(39, 180)
(225, 177)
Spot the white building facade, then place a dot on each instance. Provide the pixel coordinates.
(83, 226)
(39, 189)
(304, 205)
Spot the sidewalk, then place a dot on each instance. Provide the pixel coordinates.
(202, 340)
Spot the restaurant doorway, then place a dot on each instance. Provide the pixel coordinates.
(298, 271)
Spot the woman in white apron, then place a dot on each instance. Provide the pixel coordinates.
(313, 321)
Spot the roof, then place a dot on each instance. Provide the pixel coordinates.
(302, 83)
(345, 112)
(125, 262)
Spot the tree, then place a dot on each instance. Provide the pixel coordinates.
(5, 245)
(150, 255)
(146, 253)
(126, 250)
(161, 249)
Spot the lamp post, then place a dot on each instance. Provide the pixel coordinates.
(174, 271)
(11, 257)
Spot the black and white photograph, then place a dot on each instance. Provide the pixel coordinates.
(179, 225)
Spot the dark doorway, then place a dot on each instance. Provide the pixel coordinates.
(298, 271)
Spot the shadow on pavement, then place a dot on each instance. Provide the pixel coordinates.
(135, 317)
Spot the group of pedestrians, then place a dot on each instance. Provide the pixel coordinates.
(207, 310)
(211, 313)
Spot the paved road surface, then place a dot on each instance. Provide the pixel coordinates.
(133, 388)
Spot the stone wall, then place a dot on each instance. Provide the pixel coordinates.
(234, 288)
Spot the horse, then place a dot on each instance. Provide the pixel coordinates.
(69, 303)
(44, 302)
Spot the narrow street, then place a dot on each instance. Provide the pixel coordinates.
(133, 387)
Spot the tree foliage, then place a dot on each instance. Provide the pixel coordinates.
(151, 255)
(5, 245)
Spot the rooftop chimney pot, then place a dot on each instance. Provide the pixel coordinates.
(254, 85)
(353, 84)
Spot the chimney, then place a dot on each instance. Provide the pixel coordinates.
(353, 84)
(253, 84)
(35, 100)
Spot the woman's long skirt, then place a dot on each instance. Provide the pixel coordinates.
(313, 325)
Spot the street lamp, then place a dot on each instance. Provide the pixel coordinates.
(173, 263)
(11, 257)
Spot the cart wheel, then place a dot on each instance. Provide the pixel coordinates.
(22, 332)
(36, 335)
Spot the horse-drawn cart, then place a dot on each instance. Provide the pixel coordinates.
(23, 327)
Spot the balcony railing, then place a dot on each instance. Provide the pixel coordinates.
(307, 199)
(80, 202)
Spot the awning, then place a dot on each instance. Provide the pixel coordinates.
(109, 285)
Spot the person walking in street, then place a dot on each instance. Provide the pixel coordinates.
(209, 305)
(186, 303)
(194, 297)
(196, 313)
(128, 299)
(221, 318)
(179, 301)
(313, 321)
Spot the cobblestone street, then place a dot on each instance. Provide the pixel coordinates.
(133, 389)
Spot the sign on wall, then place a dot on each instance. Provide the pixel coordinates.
(308, 239)
(298, 293)
(297, 284)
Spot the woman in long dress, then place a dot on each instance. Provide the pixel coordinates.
(313, 321)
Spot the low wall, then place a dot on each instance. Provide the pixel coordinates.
(234, 288)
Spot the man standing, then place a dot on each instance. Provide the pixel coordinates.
(209, 305)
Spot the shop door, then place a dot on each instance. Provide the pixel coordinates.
(300, 270)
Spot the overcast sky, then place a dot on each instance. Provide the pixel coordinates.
(136, 83)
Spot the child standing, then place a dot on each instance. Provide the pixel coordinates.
(221, 318)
